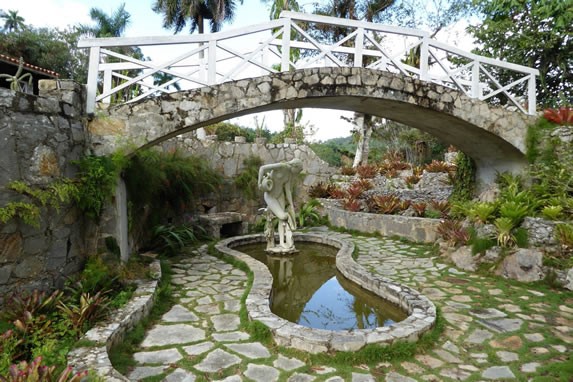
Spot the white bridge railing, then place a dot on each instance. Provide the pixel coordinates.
(291, 42)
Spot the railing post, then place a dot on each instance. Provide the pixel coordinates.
(424, 57)
(531, 95)
(285, 59)
(107, 84)
(358, 46)
(212, 63)
(476, 92)
(92, 80)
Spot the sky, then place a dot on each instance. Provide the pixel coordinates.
(145, 22)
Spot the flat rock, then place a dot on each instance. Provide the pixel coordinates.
(478, 336)
(225, 322)
(198, 348)
(530, 367)
(287, 364)
(504, 325)
(360, 377)
(261, 373)
(507, 356)
(161, 335)
(141, 372)
(455, 374)
(497, 372)
(511, 343)
(179, 314)
(301, 377)
(180, 375)
(159, 356)
(230, 336)
(395, 377)
(216, 361)
(252, 350)
(487, 314)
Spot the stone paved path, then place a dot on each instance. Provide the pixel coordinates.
(495, 330)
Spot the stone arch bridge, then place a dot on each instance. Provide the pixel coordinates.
(494, 137)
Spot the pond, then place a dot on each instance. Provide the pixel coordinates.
(308, 290)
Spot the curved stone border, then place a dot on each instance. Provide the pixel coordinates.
(112, 331)
(420, 230)
(421, 311)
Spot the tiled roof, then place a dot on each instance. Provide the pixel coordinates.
(15, 61)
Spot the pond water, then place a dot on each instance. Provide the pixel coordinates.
(308, 290)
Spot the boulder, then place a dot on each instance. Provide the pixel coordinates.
(463, 258)
(524, 265)
(569, 280)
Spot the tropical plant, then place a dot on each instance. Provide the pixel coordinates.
(482, 212)
(247, 180)
(411, 180)
(504, 226)
(453, 232)
(349, 171)
(337, 193)
(560, 116)
(419, 208)
(308, 214)
(443, 207)
(552, 212)
(13, 22)
(352, 205)
(439, 166)
(355, 190)
(35, 302)
(177, 14)
(385, 204)
(84, 312)
(320, 190)
(36, 372)
(564, 235)
(367, 171)
(17, 78)
(170, 239)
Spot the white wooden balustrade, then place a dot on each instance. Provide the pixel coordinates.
(292, 42)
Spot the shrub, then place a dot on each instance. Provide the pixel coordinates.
(453, 232)
(171, 239)
(349, 171)
(367, 171)
(320, 190)
(337, 193)
(36, 372)
(443, 207)
(504, 226)
(352, 205)
(385, 204)
(481, 212)
(552, 212)
(564, 235)
(439, 166)
(308, 214)
(248, 180)
(18, 303)
(85, 311)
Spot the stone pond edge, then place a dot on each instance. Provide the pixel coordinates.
(110, 332)
(421, 311)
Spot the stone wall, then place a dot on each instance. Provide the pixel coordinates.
(40, 136)
(228, 158)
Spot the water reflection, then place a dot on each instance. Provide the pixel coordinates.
(308, 290)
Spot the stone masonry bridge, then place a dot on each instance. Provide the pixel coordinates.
(494, 137)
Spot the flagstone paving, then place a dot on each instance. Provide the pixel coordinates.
(494, 329)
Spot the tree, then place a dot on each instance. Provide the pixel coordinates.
(113, 25)
(48, 48)
(177, 13)
(535, 33)
(368, 10)
(13, 22)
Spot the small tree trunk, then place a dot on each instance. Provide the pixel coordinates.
(364, 125)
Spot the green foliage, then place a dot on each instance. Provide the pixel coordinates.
(531, 33)
(521, 237)
(161, 185)
(481, 244)
(564, 234)
(247, 180)
(55, 194)
(464, 178)
(17, 305)
(227, 132)
(482, 212)
(308, 214)
(98, 177)
(171, 239)
(504, 226)
(48, 48)
(536, 144)
(453, 232)
(36, 372)
(552, 212)
(84, 312)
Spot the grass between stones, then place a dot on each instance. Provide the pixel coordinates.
(121, 355)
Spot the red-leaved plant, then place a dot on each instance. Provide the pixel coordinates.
(561, 116)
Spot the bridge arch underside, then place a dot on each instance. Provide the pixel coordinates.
(492, 136)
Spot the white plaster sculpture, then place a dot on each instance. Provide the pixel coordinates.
(277, 181)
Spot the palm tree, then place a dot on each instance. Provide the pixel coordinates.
(12, 21)
(113, 25)
(177, 13)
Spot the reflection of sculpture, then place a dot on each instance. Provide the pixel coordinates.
(277, 181)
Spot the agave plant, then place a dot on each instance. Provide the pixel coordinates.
(515, 211)
(453, 232)
(504, 226)
(419, 208)
(368, 171)
(552, 212)
(385, 204)
(481, 212)
(352, 205)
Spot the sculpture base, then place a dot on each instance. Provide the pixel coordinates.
(281, 251)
